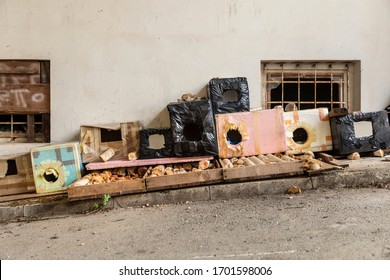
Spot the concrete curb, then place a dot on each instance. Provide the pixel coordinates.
(373, 176)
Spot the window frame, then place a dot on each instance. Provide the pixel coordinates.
(346, 72)
(25, 101)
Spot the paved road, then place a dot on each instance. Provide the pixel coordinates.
(319, 224)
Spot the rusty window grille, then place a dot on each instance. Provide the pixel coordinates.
(307, 85)
(24, 101)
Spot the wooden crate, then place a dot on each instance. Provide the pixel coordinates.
(189, 179)
(22, 181)
(112, 189)
(122, 137)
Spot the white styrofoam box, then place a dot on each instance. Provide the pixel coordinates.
(308, 130)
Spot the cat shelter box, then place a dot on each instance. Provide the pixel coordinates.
(193, 130)
(345, 140)
(16, 175)
(55, 167)
(229, 95)
(121, 138)
(164, 150)
(250, 133)
(308, 130)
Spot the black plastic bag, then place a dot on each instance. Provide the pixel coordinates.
(193, 131)
(345, 140)
(218, 87)
(146, 152)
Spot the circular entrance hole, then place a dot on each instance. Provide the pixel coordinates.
(51, 175)
(300, 136)
(193, 132)
(233, 136)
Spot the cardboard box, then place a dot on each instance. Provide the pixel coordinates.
(55, 167)
(122, 137)
(308, 130)
(250, 133)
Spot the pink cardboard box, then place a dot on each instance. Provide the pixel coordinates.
(250, 133)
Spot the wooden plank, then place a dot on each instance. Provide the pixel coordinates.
(25, 98)
(256, 172)
(112, 189)
(189, 179)
(20, 197)
(20, 67)
(143, 162)
(17, 188)
(46, 127)
(16, 79)
(331, 160)
(30, 128)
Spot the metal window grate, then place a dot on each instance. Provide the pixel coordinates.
(22, 128)
(307, 85)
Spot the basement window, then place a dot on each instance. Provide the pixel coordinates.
(24, 101)
(311, 85)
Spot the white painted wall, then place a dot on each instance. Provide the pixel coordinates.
(124, 60)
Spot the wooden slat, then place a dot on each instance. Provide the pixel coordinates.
(25, 98)
(143, 162)
(30, 128)
(17, 188)
(16, 79)
(263, 171)
(19, 197)
(20, 67)
(331, 160)
(46, 128)
(184, 180)
(112, 189)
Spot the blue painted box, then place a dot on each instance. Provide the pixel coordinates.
(55, 167)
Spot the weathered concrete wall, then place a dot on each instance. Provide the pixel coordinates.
(124, 60)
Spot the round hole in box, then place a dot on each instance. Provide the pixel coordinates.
(300, 136)
(51, 175)
(193, 132)
(233, 136)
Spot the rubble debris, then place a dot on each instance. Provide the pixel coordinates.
(132, 156)
(109, 153)
(294, 190)
(354, 156)
(188, 97)
(141, 172)
(379, 153)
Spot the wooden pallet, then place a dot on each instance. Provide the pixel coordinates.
(256, 172)
(189, 179)
(112, 189)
